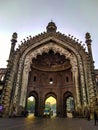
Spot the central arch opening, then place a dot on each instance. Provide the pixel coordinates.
(50, 107)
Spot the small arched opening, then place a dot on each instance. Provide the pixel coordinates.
(32, 103)
(68, 104)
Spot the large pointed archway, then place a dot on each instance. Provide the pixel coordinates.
(32, 62)
(50, 73)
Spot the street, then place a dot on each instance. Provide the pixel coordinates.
(53, 123)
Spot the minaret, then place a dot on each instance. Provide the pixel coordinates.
(12, 50)
(91, 65)
(7, 91)
(13, 40)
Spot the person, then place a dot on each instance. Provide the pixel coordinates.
(88, 115)
(95, 117)
(26, 113)
(14, 113)
(1, 110)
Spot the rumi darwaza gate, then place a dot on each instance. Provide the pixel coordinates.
(50, 64)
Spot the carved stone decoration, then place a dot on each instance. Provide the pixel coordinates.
(16, 95)
(46, 48)
(50, 62)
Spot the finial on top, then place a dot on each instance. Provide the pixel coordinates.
(14, 36)
(88, 36)
(51, 20)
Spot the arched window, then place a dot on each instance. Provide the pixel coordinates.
(2, 78)
(67, 79)
(51, 81)
(71, 76)
(34, 79)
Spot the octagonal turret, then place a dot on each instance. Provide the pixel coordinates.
(51, 27)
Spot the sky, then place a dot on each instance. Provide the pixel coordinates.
(30, 17)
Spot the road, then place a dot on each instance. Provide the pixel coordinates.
(54, 123)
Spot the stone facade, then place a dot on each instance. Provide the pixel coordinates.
(2, 76)
(96, 75)
(50, 56)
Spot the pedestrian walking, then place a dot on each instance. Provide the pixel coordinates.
(95, 117)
